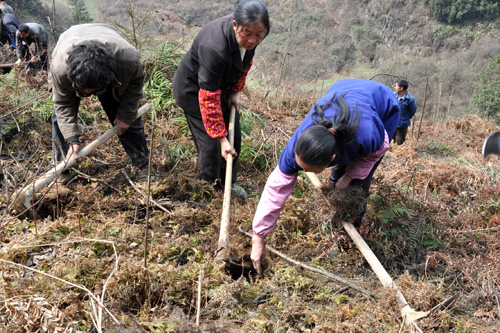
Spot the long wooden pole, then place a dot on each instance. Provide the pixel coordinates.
(223, 246)
(24, 196)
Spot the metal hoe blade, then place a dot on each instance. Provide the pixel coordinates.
(492, 144)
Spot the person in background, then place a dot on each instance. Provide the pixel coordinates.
(10, 23)
(95, 59)
(209, 79)
(29, 33)
(407, 109)
(350, 129)
(6, 8)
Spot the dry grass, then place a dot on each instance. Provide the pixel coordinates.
(441, 178)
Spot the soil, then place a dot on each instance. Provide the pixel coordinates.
(432, 220)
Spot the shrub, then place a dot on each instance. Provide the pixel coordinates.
(461, 11)
(486, 96)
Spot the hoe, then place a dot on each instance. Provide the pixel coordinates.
(409, 315)
(24, 197)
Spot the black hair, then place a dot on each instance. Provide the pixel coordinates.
(317, 144)
(249, 12)
(24, 28)
(91, 65)
(403, 84)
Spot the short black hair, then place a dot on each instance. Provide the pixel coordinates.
(91, 65)
(24, 28)
(403, 84)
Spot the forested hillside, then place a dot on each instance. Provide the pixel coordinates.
(117, 249)
(313, 43)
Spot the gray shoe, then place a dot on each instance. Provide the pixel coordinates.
(239, 192)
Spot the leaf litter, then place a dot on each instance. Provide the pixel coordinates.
(432, 220)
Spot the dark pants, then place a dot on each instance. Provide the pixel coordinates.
(339, 170)
(400, 135)
(26, 55)
(7, 38)
(210, 161)
(133, 140)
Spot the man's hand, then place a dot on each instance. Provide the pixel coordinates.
(73, 152)
(121, 125)
(258, 253)
(226, 148)
(18, 62)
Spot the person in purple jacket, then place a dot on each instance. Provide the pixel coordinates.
(348, 129)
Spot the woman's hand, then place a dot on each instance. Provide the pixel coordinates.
(343, 182)
(226, 148)
(258, 253)
(234, 99)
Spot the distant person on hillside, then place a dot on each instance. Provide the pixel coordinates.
(31, 33)
(209, 79)
(407, 109)
(6, 8)
(10, 24)
(95, 59)
(348, 129)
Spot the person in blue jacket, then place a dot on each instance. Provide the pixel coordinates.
(348, 129)
(407, 109)
(10, 23)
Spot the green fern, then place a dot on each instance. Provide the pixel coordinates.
(395, 211)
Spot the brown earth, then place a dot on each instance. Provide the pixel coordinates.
(433, 221)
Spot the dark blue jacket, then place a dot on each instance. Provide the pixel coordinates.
(378, 112)
(10, 24)
(407, 109)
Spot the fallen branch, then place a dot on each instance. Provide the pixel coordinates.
(143, 194)
(314, 269)
(95, 179)
(198, 298)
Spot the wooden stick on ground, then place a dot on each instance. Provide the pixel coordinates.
(198, 298)
(314, 269)
(143, 194)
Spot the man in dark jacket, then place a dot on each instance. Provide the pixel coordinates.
(6, 8)
(407, 109)
(31, 33)
(94, 59)
(9, 23)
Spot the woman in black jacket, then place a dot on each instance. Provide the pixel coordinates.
(209, 79)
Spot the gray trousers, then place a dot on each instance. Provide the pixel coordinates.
(133, 140)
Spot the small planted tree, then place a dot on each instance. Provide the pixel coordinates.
(486, 96)
(79, 12)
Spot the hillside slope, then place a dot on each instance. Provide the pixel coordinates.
(432, 220)
(313, 43)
